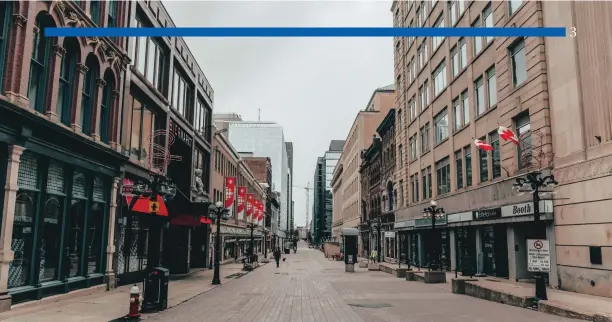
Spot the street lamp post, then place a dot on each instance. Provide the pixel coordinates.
(533, 183)
(251, 243)
(434, 212)
(217, 212)
(377, 223)
(265, 243)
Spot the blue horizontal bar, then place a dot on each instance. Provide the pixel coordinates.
(307, 32)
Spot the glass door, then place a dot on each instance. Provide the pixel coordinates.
(488, 250)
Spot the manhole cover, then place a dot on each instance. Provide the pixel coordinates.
(370, 305)
(236, 275)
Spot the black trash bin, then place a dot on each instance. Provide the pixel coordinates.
(155, 290)
(467, 268)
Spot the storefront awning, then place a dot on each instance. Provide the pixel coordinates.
(147, 206)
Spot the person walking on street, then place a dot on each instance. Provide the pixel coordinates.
(277, 256)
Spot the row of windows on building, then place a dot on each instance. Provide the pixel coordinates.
(458, 64)
(151, 59)
(489, 164)
(458, 61)
(455, 9)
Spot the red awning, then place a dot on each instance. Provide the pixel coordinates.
(185, 220)
(205, 221)
(145, 205)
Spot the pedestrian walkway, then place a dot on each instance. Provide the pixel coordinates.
(559, 302)
(308, 287)
(108, 306)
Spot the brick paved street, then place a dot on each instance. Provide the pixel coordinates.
(308, 287)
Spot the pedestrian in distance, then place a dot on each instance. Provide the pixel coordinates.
(277, 256)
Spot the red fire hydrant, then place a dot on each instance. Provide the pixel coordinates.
(134, 302)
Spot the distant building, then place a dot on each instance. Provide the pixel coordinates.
(263, 139)
(322, 209)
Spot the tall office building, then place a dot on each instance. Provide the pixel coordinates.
(290, 215)
(322, 210)
(264, 139)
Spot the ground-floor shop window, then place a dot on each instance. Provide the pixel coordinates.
(54, 203)
(414, 250)
(390, 247)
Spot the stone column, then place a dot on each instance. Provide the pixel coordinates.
(6, 233)
(17, 69)
(52, 94)
(110, 243)
(75, 117)
(115, 124)
(97, 108)
(553, 276)
(453, 249)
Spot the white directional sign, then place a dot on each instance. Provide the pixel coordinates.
(538, 255)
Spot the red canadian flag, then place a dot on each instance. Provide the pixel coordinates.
(241, 200)
(507, 135)
(249, 206)
(255, 217)
(230, 191)
(483, 145)
(261, 213)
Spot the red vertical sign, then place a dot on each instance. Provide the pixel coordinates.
(249, 206)
(255, 217)
(230, 192)
(261, 213)
(241, 200)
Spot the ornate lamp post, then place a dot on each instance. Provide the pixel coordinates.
(377, 222)
(251, 226)
(534, 183)
(433, 212)
(216, 213)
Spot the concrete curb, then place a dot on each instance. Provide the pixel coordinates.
(556, 308)
(475, 290)
(549, 306)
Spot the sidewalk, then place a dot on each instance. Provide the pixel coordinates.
(562, 303)
(108, 306)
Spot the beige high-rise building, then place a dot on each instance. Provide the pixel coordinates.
(346, 182)
(553, 93)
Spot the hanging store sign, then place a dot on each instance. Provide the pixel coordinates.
(181, 134)
(487, 214)
(241, 202)
(230, 192)
(389, 234)
(249, 206)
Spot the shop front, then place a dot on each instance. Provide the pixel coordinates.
(236, 241)
(407, 242)
(434, 243)
(56, 207)
(493, 241)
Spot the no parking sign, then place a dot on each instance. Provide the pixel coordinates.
(538, 255)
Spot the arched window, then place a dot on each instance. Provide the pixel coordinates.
(66, 80)
(5, 16)
(39, 66)
(105, 108)
(89, 87)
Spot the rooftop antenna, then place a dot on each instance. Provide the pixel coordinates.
(258, 115)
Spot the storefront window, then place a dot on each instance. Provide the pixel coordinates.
(51, 225)
(42, 206)
(22, 242)
(95, 235)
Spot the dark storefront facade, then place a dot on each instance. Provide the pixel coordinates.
(60, 207)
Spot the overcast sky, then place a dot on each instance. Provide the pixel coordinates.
(312, 87)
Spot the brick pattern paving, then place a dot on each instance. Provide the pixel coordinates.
(308, 287)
